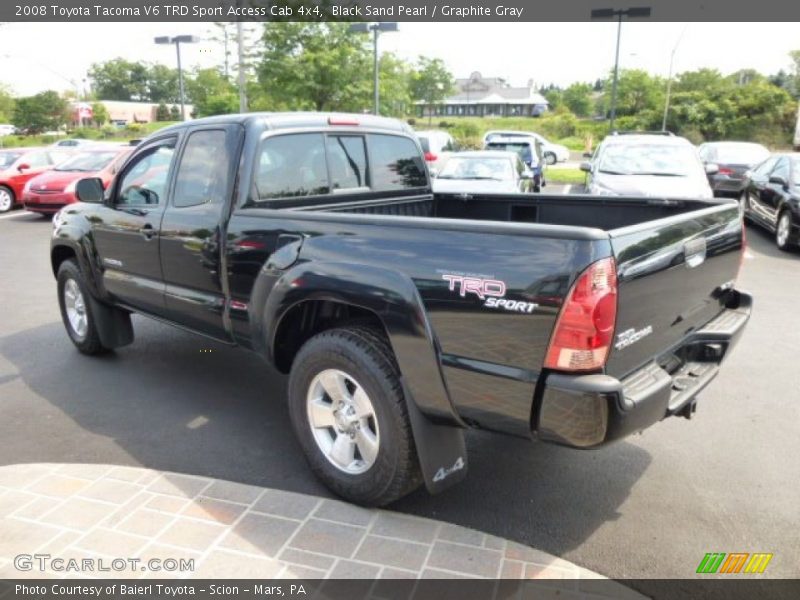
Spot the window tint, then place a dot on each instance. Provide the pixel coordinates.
(781, 169)
(292, 165)
(396, 163)
(203, 173)
(36, 159)
(347, 161)
(764, 168)
(145, 179)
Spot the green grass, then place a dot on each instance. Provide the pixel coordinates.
(564, 176)
(106, 134)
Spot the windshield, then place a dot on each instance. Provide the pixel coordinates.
(521, 148)
(649, 159)
(477, 168)
(7, 159)
(87, 161)
(737, 154)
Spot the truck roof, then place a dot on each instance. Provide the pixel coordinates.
(291, 120)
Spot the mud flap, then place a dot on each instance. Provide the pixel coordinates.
(113, 324)
(441, 449)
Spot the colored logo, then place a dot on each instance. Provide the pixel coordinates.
(735, 562)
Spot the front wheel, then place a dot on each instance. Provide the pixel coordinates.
(783, 231)
(550, 158)
(348, 411)
(76, 309)
(6, 199)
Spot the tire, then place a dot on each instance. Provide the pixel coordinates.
(783, 231)
(7, 200)
(550, 158)
(378, 460)
(76, 309)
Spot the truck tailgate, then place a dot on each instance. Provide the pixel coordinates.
(673, 277)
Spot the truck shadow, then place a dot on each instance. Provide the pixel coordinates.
(176, 402)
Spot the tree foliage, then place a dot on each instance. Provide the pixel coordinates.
(43, 112)
(578, 99)
(316, 66)
(6, 105)
(431, 82)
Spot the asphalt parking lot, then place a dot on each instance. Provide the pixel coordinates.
(648, 507)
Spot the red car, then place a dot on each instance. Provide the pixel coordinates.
(18, 166)
(51, 191)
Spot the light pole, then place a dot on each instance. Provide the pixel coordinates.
(178, 40)
(610, 13)
(376, 29)
(669, 81)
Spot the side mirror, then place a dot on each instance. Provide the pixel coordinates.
(90, 190)
(777, 180)
(712, 168)
(586, 167)
(587, 155)
(23, 167)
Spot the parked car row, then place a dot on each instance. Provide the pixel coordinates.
(43, 179)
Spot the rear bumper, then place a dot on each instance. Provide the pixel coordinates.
(586, 411)
(46, 203)
(727, 185)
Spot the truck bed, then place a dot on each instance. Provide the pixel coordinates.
(575, 210)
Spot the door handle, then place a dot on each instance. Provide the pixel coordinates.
(147, 231)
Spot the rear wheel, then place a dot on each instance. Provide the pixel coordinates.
(550, 158)
(783, 231)
(348, 411)
(6, 199)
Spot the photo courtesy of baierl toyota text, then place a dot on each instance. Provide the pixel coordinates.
(382, 300)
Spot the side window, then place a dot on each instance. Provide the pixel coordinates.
(145, 178)
(396, 163)
(292, 165)
(765, 167)
(203, 171)
(36, 160)
(781, 169)
(347, 162)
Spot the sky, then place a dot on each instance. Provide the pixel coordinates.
(39, 56)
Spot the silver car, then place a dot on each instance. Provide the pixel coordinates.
(648, 165)
(487, 172)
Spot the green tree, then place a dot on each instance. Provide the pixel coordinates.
(162, 84)
(221, 104)
(119, 79)
(794, 55)
(394, 87)
(174, 113)
(431, 82)
(43, 112)
(317, 66)
(210, 92)
(99, 114)
(6, 104)
(162, 112)
(554, 97)
(578, 99)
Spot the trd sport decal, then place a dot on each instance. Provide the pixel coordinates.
(491, 291)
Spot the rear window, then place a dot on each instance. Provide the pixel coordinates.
(314, 164)
(291, 166)
(396, 163)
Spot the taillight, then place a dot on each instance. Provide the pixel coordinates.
(430, 156)
(585, 327)
(725, 171)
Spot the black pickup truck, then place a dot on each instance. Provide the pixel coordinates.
(403, 317)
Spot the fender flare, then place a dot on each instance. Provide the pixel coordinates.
(393, 297)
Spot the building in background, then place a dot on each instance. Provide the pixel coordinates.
(479, 96)
(124, 113)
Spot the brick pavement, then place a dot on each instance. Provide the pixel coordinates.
(233, 530)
